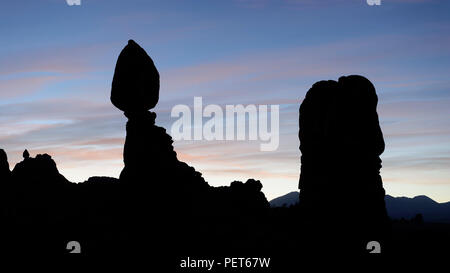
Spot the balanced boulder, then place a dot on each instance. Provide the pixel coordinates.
(135, 85)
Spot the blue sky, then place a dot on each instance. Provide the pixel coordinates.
(57, 62)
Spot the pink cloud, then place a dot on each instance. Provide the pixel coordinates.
(21, 86)
(58, 59)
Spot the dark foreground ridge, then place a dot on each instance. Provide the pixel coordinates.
(163, 209)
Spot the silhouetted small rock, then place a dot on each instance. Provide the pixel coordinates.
(135, 86)
(26, 154)
(248, 195)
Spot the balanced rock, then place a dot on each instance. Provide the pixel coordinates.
(135, 85)
(151, 164)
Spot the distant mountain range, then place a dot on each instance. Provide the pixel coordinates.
(285, 200)
(397, 207)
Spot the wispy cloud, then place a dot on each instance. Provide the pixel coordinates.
(21, 86)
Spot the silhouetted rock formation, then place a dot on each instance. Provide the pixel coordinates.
(135, 86)
(341, 143)
(5, 173)
(239, 199)
(152, 170)
(150, 161)
(40, 171)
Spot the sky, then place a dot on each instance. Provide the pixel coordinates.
(57, 63)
